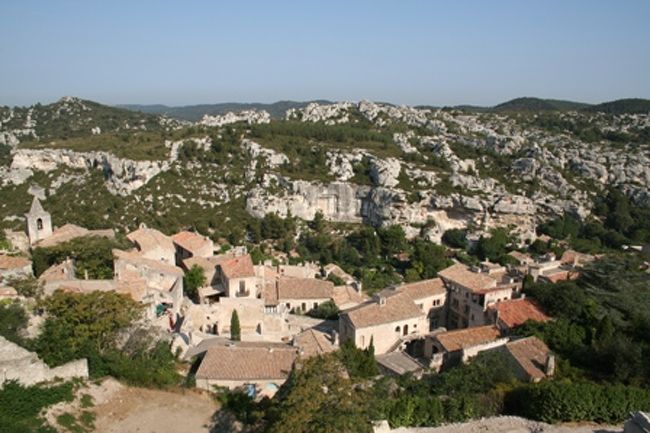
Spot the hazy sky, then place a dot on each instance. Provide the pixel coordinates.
(408, 51)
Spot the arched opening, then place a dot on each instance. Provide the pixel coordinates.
(406, 329)
(39, 224)
(398, 330)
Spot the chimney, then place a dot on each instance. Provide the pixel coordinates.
(549, 369)
(335, 337)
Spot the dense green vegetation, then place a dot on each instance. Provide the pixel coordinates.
(537, 104)
(379, 257)
(193, 280)
(89, 326)
(20, 406)
(12, 319)
(615, 222)
(602, 320)
(92, 256)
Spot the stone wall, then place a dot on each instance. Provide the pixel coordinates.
(19, 364)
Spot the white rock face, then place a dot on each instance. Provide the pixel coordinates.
(249, 116)
(402, 140)
(384, 172)
(273, 158)
(338, 201)
(331, 114)
(341, 164)
(122, 175)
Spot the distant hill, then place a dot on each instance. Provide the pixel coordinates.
(538, 104)
(621, 106)
(194, 113)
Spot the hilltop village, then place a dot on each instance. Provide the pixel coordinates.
(418, 327)
(347, 264)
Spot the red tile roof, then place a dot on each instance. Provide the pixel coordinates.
(398, 306)
(423, 289)
(13, 262)
(304, 288)
(238, 267)
(531, 354)
(452, 341)
(191, 241)
(244, 362)
(462, 275)
(515, 312)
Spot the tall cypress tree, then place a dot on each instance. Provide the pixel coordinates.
(235, 329)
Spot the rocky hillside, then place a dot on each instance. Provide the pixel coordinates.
(428, 170)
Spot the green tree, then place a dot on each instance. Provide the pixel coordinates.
(81, 325)
(193, 280)
(327, 310)
(12, 320)
(235, 329)
(455, 238)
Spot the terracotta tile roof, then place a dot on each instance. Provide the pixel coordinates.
(522, 258)
(423, 289)
(515, 312)
(304, 288)
(69, 232)
(238, 267)
(8, 292)
(243, 362)
(62, 271)
(150, 239)
(192, 242)
(399, 363)
(452, 341)
(462, 275)
(347, 296)
(575, 258)
(207, 263)
(313, 342)
(13, 262)
(531, 354)
(398, 306)
(136, 259)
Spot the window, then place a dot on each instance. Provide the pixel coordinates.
(304, 306)
(315, 305)
(398, 329)
(406, 329)
(39, 224)
(242, 286)
(288, 305)
(421, 306)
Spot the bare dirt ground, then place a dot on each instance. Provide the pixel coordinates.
(137, 410)
(511, 425)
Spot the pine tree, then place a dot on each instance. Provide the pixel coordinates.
(235, 329)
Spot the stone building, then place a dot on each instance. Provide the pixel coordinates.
(39, 222)
(450, 348)
(237, 278)
(430, 296)
(472, 290)
(153, 245)
(385, 320)
(259, 368)
(191, 244)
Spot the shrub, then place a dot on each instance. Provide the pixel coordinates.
(585, 401)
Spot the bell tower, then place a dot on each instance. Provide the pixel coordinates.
(39, 222)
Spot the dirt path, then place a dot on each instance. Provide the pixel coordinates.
(136, 410)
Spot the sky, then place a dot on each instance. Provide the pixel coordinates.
(406, 52)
